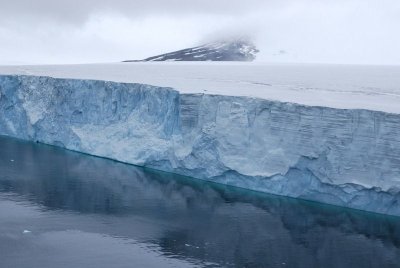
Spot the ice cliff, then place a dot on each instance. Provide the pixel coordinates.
(338, 156)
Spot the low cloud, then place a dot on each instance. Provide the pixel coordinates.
(332, 31)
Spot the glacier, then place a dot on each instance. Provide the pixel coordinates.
(344, 157)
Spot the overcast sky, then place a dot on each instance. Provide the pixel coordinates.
(80, 31)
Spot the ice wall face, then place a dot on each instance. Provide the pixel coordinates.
(344, 157)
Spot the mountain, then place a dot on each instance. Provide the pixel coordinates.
(238, 50)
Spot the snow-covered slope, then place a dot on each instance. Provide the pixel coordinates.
(231, 50)
(347, 157)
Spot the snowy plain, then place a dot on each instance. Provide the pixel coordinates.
(337, 86)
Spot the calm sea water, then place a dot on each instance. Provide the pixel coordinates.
(65, 209)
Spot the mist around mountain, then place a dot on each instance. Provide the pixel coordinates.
(232, 50)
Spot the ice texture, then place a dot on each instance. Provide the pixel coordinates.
(346, 157)
(336, 86)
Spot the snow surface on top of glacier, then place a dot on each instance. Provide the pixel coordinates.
(337, 86)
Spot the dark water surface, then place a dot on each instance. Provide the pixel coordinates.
(65, 209)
